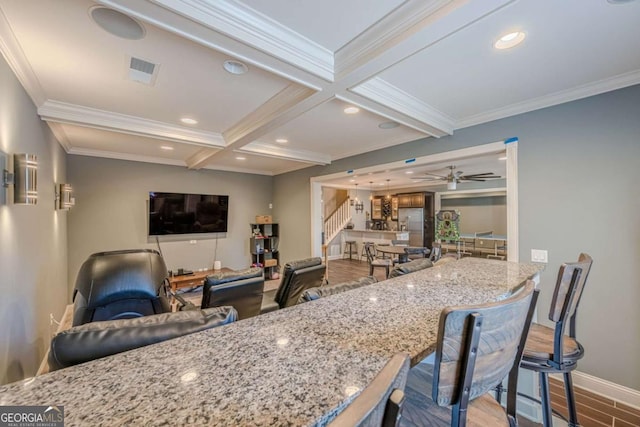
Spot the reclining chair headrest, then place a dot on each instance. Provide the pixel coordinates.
(110, 276)
(232, 276)
(324, 291)
(99, 339)
(410, 267)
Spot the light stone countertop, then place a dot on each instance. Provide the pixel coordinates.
(298, 366)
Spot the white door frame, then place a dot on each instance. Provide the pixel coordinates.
(511, 146)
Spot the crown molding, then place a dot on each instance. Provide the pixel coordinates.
(13, 54)
(279, 152)
(124, 156)
(384, 93)
(58, 131)
(590, 89)
(238, 170)
(395, 27)
(62, 112)
(255, 29)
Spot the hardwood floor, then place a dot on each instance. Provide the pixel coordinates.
(345, 270)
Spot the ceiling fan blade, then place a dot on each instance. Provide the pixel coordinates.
(472, 179)
(487, 175)
(436, 175)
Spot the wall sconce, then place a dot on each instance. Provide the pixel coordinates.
(64, 197)
(24, 179)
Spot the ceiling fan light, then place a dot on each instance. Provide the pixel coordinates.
(451, 185)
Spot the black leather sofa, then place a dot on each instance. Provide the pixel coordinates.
(297, 276)
(241, 289)
(99, 339)
(410, 267)
(120, 285)
(324, 291)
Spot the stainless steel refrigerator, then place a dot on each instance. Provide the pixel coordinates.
(413, 218)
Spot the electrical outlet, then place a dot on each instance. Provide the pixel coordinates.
(539, 255)
(270, 205)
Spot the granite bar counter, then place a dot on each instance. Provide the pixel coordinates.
(298, 366)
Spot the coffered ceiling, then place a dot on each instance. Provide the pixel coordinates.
(428, 66)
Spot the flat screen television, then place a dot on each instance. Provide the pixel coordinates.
(179, 213)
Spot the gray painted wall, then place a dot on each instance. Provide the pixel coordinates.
(480, 213)
(578, 170)
(112, 201)
(33, 239)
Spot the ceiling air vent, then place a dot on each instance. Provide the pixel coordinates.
(142, 71)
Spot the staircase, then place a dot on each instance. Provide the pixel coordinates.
(334, 224)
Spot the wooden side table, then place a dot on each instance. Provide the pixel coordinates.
(193, 280)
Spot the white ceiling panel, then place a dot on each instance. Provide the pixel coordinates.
(80, 63)
(330, 23)
(568, 44)
(328, 129)
(83, 140)
(250, 163)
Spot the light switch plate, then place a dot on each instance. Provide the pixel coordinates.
(539, 255)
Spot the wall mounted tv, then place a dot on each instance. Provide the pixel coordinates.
(178, 213)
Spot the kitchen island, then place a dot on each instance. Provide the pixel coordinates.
(297, 366)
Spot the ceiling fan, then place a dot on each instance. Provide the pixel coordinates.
(453, 178)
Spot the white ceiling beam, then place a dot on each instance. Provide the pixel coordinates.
(279, 152)
(276, 111)
(390, 96)
(62, 112)
(394, 28)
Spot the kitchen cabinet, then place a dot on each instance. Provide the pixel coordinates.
(411, 200)
(376, 208)
(394, 208)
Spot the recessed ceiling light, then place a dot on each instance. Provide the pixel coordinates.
(409, 172)
(189, 121)
(166, 147)
(282, 140)
(235, 67)
(509, 40)
(352, 180)
(388, 125)
(502, 158)
(351, 110)
(117, 23)
(241, 158)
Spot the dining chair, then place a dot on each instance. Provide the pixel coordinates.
(380, 403)
(374, 262)
(549, 349)
(477, 347)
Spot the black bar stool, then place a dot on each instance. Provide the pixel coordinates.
(350, 245)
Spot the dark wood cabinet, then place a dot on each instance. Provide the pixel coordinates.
(411, 200)
(376, 208)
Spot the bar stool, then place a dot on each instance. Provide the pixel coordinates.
(363, 252)
(349, 245)
(549, 350)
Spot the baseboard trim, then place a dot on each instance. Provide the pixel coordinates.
(605, 388)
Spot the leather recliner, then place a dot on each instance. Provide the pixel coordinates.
(410, 267)
(296, 278)
(241, 289)
(324, 291)
(100, 339)
(120, 285)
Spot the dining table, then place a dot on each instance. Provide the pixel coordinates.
(396, 250)
(299, 366)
